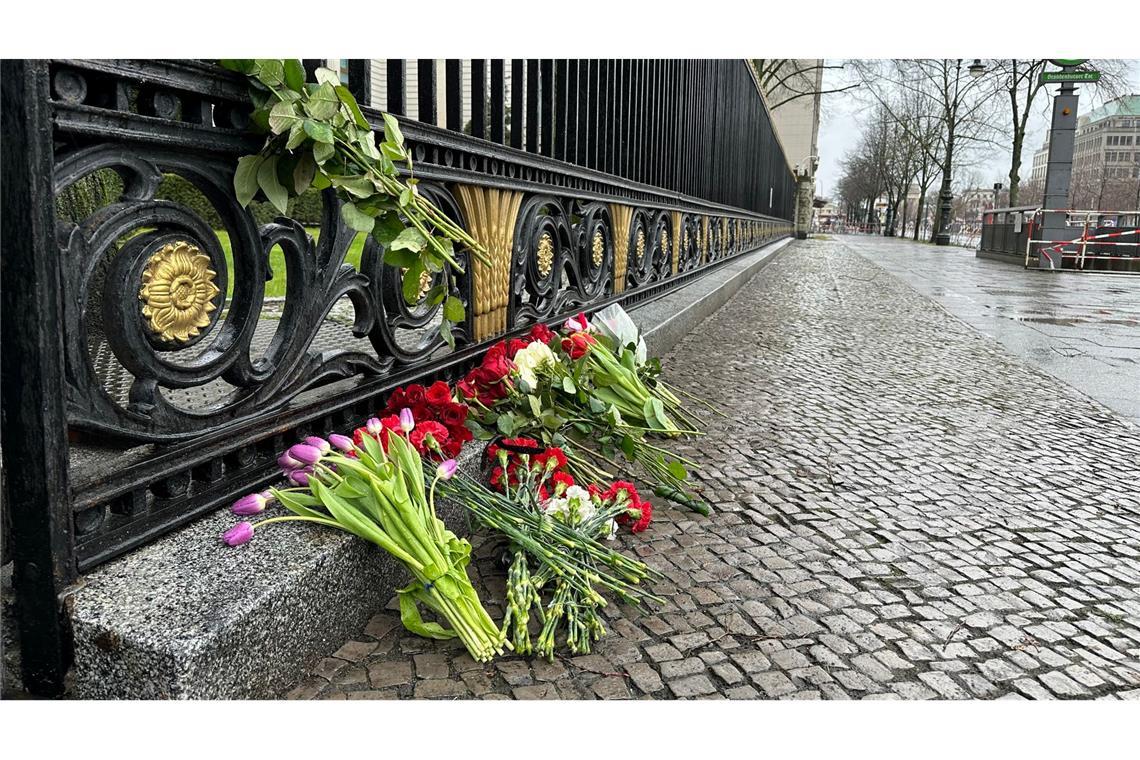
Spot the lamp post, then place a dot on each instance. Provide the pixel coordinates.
(945, 196)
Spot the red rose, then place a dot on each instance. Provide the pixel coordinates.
(462, 434)
(516, 345)
(496, 365)
(439, 393)
(577, 345)
(398, 400)
(542, 332)
(453, 415)
(415, 394)
(466, 386)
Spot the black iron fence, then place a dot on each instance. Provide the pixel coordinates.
(161, 344)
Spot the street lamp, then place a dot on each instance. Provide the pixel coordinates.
(945, 196)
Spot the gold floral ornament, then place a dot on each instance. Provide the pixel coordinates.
(598, 248)
(640, 244)
(178, 291)
(545, 254)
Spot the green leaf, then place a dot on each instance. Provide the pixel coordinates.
(240, 65)
(297, 136)
(392, 130)
(355, 218)
(677, 470)
(445, 333)
(453, 310)
(388, 228)
(303, 173)
(627, 447)
(361, 187)
(411, 284)
(319, 131)
(294, 75)
(326, 75)
(321, 181)
(346, 97)
(394, 258)
(283, 117)
(435, 295)
(405, 197)
(270, 185)
(322, 151)
(245, 178)
(506, 424)
(270, 72)
(568, 384)
(323, 103)
(409, 239)
(535, 406)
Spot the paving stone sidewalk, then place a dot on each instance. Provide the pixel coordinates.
(895, 518)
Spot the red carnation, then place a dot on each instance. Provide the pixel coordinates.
(560, 482)
(439, 393)
(553, 459)
(542, 332)
(423, 430)
(643, 521)
(398, 400)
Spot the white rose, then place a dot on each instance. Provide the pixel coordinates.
(528, 360)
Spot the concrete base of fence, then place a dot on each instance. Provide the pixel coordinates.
(666, 320)
(189, 618)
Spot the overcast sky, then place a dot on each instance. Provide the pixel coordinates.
(840, 126)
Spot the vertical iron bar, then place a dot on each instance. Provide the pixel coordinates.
(594, 121)
(533, 126)
(581, 113)
(395, 84)
(546, 117)
(561, 87)
(518, 101)
(605, 115)
(453, 86)
(425, 91)
(360, 80)
(478, 97)
(34, 421)
(497, 109)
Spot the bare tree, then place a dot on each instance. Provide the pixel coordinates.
(961, 103)
(788, 79)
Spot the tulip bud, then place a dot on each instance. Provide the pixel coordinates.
(251, 504)
(342, 442)
(239, 534)
(288, 463)
(304, 453)
(318, 443)
(373, 426)
(407, 421)
(446, 469)
(300, 477)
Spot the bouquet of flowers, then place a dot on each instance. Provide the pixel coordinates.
(591, 393)
(374, 488)
(558, 526)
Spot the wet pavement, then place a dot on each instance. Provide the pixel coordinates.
(1081, 328)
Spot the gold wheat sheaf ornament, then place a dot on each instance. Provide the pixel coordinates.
(178, 292)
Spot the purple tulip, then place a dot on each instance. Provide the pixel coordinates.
(318, 443)
(239, 534)
(342, 442)
(288, 463)
(407, 421)
(446, 469)
(373, 426)
(252, 504)
(305, 454)
(300, 477)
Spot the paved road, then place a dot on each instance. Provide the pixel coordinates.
(891, 523)
(1083, 329)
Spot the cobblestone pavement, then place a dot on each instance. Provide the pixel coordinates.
(891, 522)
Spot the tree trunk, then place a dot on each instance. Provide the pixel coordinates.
(920, 214)
(1014, 170)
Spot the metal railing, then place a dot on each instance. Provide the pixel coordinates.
(612, 182)
(1101, 240)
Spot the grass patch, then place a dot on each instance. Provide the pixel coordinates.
(276, 286)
